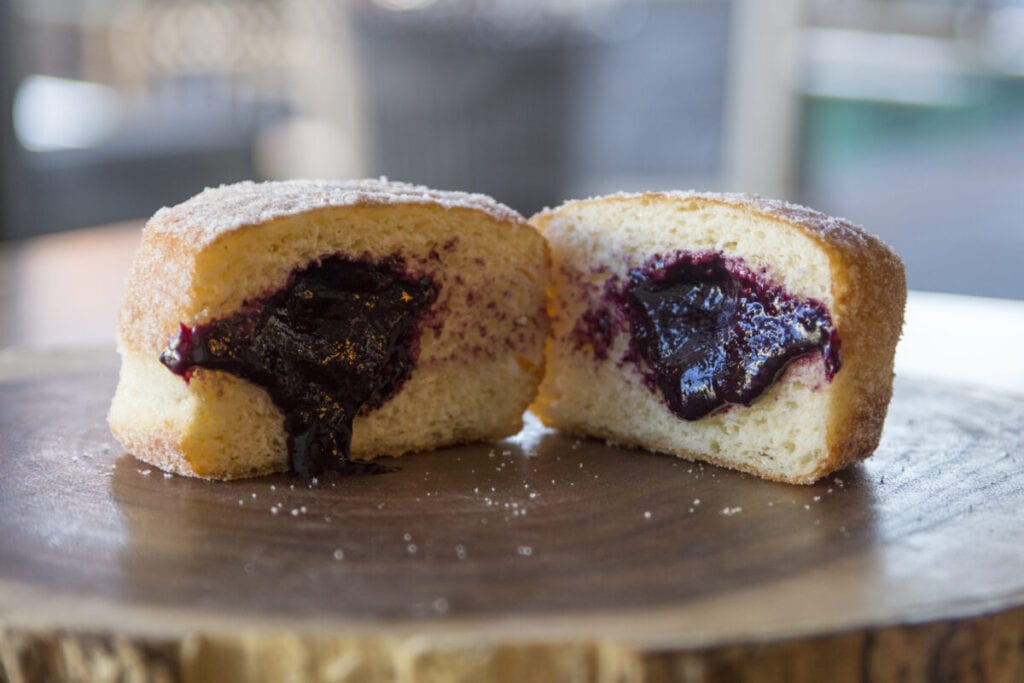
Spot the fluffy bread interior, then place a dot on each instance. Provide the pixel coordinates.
(480, 350)
(804, 425)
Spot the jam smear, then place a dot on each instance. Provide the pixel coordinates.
(340, 338)
(715, 336)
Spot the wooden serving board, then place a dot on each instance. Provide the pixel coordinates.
(539, 558)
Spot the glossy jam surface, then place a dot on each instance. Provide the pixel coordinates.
(340, 338)
(712, 334)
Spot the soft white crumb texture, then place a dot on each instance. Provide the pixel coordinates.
(785, 435)
(602, 239)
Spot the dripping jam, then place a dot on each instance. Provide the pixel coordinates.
(339, 339)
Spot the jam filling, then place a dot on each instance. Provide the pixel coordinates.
(715, 336)
(340, 338)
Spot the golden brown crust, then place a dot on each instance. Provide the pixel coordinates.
(870, 293)
(215, 212)
(158, 284)
(163, 450)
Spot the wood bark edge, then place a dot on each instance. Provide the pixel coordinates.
(984, 648)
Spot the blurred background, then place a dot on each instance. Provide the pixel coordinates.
(904, 115)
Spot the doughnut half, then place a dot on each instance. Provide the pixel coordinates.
(475, 348)
(774, 272)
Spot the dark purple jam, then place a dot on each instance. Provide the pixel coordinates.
(341, 337)
(714, 336)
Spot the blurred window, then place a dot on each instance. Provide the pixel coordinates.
(913, 124)
(904, 115)
(122, 106)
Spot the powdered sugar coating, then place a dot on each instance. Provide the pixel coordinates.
(162, 273)
(838, 231)
(219, 210)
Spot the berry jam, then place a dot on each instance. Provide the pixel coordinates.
(339, 339)
(715, 336)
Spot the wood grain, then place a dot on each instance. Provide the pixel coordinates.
(541, 558)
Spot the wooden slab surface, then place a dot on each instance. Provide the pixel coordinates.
(539, 558)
